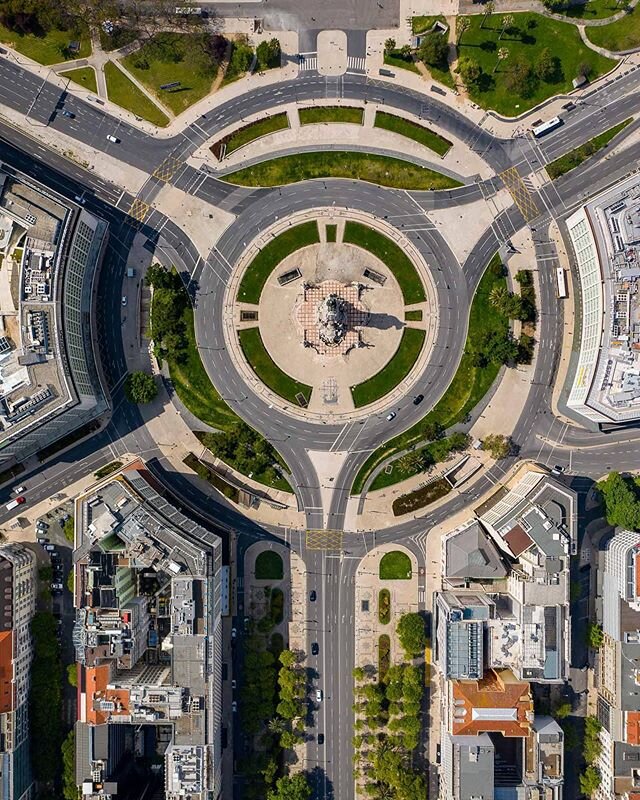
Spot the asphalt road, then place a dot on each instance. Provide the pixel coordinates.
(537, 433)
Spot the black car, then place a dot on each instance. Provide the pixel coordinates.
(312, 595)
(321, 738)
(315, 649)
(68, 114)
(418, 399)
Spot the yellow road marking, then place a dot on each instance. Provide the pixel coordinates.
(324, 540)
(520, 193)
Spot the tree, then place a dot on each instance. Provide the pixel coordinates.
(507, 22)
(503, 54)
(140, 387)
(291, 787)
(562, 710)
(595, 636)
(621, 501)
(470, 71)
(69, 787)
(268, 54)
(69, 529)
(411, 632)
(288, 658)
(413, 461)
(518, 77)
(389, 45)
(590, 780)
(547, 66)
(434, 49)
(497, 445)
(488, 11)
(72, 674)
(499, 347)
(462, 24)
(241, 58)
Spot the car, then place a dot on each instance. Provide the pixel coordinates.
(113, 139)
(19, 489)
(124, 300)
(233, 683)
(246, 624)
(319, 695)
(438, 754)
(312, 596)
(68, 114)
(56, 592)
(391, 415)
(234, 633)
(418, 399)
(49, 548)
(315, 649)
(234, 706)
(321, 738)
(42, 540)
(57, 586)
(42, 526)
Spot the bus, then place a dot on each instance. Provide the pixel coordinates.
(562, 283)
(545, 127)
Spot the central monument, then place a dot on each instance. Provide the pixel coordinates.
(331, 316)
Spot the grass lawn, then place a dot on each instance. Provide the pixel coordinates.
(261, 127)
(382, 170)
(531, 34)
(421, 23)
(384, 606)
(469, 384)
(592, 9)
(267, 370)
(413, 316)
(399, 61)
(126, 94)
(391, 255)
(194, 388)
(50, 48)
(395, 565)
(269, 566)
(271, 255)
(170, 57)
(317, 114)
(332, 232)
(574, 158)
(84, 76)
(624, 34)
(393, 372)
(412, 130)
(434, 453)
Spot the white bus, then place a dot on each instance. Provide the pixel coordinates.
(562, 283)
(545, 127)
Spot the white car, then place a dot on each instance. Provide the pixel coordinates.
(19, 489)
(57, 586)
(234, 706)
(113, 139)
(391, 416)
(124, 300)
(319, 695)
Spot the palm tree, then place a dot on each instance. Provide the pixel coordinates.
(507, 22)
(488, 11)
(502, 54)
(462, 24)
(498, 297)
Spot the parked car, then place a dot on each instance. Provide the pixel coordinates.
(50, 548)
(42, 526)
(124, 300)
(312, 595)
(42, 540)
(234, 706)
(321, 738)
(233, 683)
(57, 586)
(315, 649)
(234, 633)
(19, 489)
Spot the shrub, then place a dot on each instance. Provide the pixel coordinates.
(384, 606)
(140, 387)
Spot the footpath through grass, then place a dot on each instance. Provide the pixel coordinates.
(268, 371)
(574, 158)
(319, 114)
(525, 41)
(469, 384)
(624, 34)
(84, 76)
(382, 170)
(393, 372)
(169, 57)
(258, 271)
(51, 47)
(394, 258)
(125, 93)
(413, 130)
(253, 131)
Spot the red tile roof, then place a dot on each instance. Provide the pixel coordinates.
(518, 540)
(497, 703)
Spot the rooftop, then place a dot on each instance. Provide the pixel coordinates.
(498, 703)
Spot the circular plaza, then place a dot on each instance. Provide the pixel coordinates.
(329, 315)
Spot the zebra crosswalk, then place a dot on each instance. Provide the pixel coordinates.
(356, 64)
(307, 62)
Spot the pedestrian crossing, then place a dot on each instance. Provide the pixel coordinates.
(356, 64)
(307, 62)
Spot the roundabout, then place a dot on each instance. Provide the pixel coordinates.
(335, 313)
